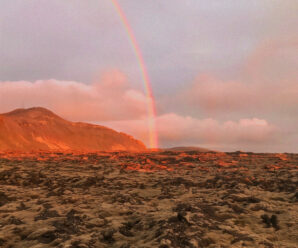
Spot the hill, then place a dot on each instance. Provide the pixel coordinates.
(40, 129)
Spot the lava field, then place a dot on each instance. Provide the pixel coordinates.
(151, 199)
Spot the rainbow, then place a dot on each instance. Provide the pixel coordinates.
(153, 137)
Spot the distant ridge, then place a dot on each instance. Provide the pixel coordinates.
(187, 149)
(40, 129)
(181, 149)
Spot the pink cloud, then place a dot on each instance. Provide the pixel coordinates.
(210, 93)
(273, 60)
(214, 95)
(176, 130)
(268, 83)
(112, 98)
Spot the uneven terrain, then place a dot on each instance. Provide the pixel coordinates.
(157, 199)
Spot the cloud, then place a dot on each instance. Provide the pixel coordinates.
(273, 60)
(267, 84)
(214, 95)
(112, 98)
(175, 130)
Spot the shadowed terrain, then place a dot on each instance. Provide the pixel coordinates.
(40, 129)
(157, 199)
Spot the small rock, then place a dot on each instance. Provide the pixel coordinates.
(274, 221)
(107, 235)
(15, 221)
(44, 235)
(266, 220)
(3, 198)
(164, 243)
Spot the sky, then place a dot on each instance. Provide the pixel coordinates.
(223, 72)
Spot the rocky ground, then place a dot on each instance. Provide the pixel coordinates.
(157, 199)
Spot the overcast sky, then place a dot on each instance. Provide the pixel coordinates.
(223, 72)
